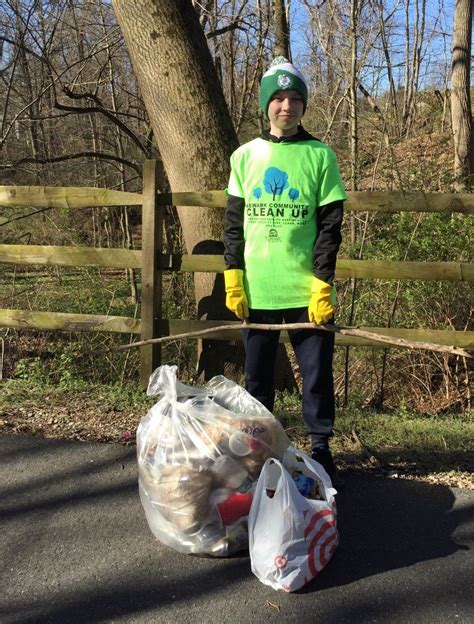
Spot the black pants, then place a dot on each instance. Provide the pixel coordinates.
(314, 351)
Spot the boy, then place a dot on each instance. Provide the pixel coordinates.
(281, 238)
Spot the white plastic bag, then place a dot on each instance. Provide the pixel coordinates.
(300, 464)
(291, 538)
(200, 452)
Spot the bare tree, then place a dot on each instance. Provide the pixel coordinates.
(461, 114)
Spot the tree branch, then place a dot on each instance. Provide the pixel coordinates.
(86, 154)
(22, 47)
(224, 29)
(99, 108)
(30, 214)
(335, 329)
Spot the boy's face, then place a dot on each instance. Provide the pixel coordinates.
(285, 112)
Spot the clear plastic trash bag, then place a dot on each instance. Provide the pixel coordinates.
(200, 452)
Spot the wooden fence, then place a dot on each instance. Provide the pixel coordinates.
(153, 262)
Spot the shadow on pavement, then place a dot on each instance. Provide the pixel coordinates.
(120, 597)
(78, 548)
(387, 524)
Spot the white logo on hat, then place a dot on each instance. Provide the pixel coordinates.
(284, 81)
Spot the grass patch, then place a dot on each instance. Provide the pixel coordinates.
(399, 440)
(82, 291)
(107, 397)
(402, 443)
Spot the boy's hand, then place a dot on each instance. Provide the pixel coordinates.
(236, 299)
(320, 308)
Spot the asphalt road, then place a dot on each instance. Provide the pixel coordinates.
(75, 547)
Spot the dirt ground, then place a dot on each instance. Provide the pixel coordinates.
(77, 416)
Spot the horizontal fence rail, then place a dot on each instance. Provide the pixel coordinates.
(48, 321)
(131, 258)
(26, 319)
(66, 197)
(359, 201)
(152, 262)
(71, 256)
(345, 268)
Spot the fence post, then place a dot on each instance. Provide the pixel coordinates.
(151, 291)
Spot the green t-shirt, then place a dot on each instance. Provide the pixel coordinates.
(283, 184)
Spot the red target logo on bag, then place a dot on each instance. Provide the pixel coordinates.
(322, 532)
(280, 562)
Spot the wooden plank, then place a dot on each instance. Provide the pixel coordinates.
(394, 270)
(463, 339)
(397, 201)
(211, 199)
(123, 258)
(209, 263)
(47, 321)
(151, 290)
(70, 256)
(345, 268)
(358, 201)
(66, 197)
(467, 272)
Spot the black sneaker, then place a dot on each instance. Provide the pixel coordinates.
(324, 457)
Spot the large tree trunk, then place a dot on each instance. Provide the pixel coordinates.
(461, 96)
(280, 29)
(192, 127)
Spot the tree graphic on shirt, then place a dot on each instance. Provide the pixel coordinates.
(275, 181)
(293, 194)
(257, 192)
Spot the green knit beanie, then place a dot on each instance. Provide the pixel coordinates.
(281, 76)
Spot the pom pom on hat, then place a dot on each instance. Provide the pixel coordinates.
(281, 76)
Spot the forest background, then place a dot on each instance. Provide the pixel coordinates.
(73, 115)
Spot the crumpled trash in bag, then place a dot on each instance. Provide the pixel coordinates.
(200, 452)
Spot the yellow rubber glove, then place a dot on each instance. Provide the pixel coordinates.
(236, 299)
(320, 308)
